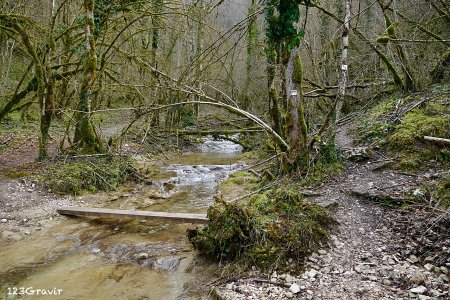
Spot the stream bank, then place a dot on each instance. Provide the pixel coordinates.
(366, 258)
(110, 258)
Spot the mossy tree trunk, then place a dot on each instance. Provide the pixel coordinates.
(45, 102)
(296, 128)
(274, 103)
(85, 137)
(47, 112)
(409, 81)
(64, 87)
(251, 62)
(441, 70)
(199, 48)
(157, 6)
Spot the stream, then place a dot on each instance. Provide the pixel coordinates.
(82, 258)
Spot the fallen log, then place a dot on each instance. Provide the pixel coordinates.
(436, 140)
(380, 197)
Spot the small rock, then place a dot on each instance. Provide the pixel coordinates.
(418, 290)
(312, 259)
(418, 192)
(413, 259)
(96, 250)
(386, 282)
(444, 277)
(417, 279)
(429, 267)
(322, 252)
(4, 220)
(428, 259)
(289, 295)
(423, 297)
(372, 278)
(229, 286)
(295, 288)
(359, 153)
(289, 278)
(312, 273)
(444, 270)
(309, 292)
(142, 255)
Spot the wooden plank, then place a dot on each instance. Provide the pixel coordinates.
(136, 214)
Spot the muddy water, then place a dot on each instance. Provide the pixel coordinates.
(124, 259)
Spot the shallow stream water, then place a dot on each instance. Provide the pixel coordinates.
(80, 258)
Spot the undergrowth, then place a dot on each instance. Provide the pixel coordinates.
(86, 175)
(404, 136)
(271, 230)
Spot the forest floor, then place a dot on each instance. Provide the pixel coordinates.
(25, 206)
(370, 256)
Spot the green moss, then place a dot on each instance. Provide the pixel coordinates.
(322, 171)
(418, 123)
(238, 183)
(384, 39)
(442, 192)
(14, 174)
(188, 117)
(268, 231)
(405, 139)
(86, 175)
(297, 74)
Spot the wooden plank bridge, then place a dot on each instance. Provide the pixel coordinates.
(135, 214)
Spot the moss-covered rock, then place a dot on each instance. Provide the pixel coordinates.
(386, 127)
(268, 231)
(418, 123)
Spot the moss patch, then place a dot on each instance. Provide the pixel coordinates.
(238, 183)
(404, 138)
(87, 175)
(14, 174)
(420, 122)
(267, 232)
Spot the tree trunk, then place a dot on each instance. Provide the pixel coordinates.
(40, 75)
(251, 63)
(442, 68)
(296, 127)
(47, 110)
(397, 79)
(274, 105)
(344, 64)
(409, 81)
(85, 136)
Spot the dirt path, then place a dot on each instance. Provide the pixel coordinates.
(362, 261)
